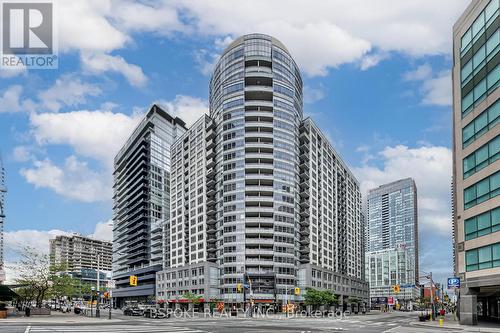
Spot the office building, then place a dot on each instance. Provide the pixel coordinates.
(259, 192)
(3, 191)
(141, 211)
(392, 242)
(476, 169)
(82, 257)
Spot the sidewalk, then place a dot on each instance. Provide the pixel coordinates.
(450, 324)
(60, 318)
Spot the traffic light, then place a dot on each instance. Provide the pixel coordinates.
(239, 287)
(133, 280)
(296, 291)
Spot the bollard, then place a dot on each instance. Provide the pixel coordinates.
(441, 321)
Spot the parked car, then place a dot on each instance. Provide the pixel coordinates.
(132, 311)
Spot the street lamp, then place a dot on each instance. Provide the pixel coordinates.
(429, 277)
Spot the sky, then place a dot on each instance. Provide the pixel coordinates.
(376, 77)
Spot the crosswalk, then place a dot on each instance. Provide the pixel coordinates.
(111, 329)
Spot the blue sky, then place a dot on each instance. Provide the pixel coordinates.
(376, 77)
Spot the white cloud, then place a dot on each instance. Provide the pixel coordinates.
(422, 72)
(72, 180)
(372, 60)
(97, 63)
(7, 73)
(187, 108)
(10, 99)
(206, 60)
(95, 134)
(14, 241)
(430, 167)
(94, 30)
(320, 34)
(136, 16)
(103, 231)
(67, 90)
(436, 88)
(312, 95)
(326, 34)
(22, 154)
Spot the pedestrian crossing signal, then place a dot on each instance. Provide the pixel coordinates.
(133, 280)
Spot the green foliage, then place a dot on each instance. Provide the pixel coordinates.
(353, 300)
(39, 280)
(34, 275)
(191, 297)
(320, 297)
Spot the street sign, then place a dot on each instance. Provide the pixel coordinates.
(404, 286)
(453, 282)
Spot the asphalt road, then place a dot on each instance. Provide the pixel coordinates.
(378, 323)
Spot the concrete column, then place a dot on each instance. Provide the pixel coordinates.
(468, 307)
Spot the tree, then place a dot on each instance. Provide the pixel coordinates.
(34, 274)
(353, 300)
(63, 285)
(192, 298)
(320, 297)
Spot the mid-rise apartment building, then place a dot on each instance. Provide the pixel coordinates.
(476, 169)
(141, 220)
(392, 242)
(82, 257)
(259, 197)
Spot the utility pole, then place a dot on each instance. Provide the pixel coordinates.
(432, 296)
(97, 311)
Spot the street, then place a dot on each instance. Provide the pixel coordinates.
(372, 323)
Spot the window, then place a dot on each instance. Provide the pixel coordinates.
(484, 122)
(482, 157)
(483, 224)
(481, 55)
(481, 191)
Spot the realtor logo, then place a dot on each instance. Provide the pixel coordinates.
(28, 34)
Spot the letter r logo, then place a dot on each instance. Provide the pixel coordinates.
(27, 28)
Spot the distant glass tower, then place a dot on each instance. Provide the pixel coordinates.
(392, 240)
(3, 190)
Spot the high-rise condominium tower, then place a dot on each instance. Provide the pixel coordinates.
(142, 204)
(392, 242)
(476, 168)
(261, 203)
(3, 190)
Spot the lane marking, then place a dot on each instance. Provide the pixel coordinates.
(27, 329)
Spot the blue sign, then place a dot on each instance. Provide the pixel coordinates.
(453, 282)
(404, 286)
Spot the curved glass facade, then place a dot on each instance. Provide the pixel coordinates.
(256, 104)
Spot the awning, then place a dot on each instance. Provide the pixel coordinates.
(6, 294)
